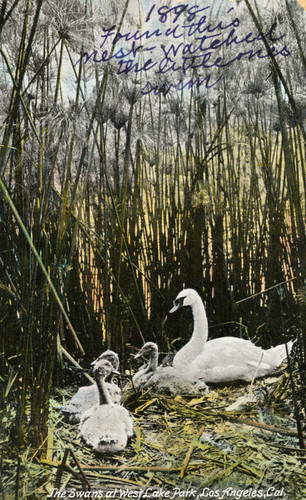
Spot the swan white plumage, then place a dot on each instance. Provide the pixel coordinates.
(88, 396)
(111, 356)
(223, 359)
(107, 426)
(165, 379)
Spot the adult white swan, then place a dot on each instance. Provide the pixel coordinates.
(223, 359)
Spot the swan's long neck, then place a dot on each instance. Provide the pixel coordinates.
(153, 361)
(104, 397)
(150, 367)
(200, 325)
(197, 343)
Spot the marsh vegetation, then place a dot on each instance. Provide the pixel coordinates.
(111, 201)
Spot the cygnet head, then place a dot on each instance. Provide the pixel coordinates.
(103, 369)
(147, 350)
(187, 297)
(110, 356)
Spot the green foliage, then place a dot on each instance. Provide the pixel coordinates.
(112, 201)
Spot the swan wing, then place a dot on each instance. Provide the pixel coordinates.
(83, 399)
(114, 392)
(169, 380)
(229, 358)
(104, 428)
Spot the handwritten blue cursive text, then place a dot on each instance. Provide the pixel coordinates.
(184, 39)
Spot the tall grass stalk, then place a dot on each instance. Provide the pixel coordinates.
(108, 208)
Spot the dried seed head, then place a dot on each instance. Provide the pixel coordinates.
(69, 21)
(132, 93)
(103, 113)
(118, 116)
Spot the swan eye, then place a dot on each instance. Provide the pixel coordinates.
(179, 302)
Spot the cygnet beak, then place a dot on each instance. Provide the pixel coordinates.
(96, 360)
(139, 354)
(116, 372)
(174, 308)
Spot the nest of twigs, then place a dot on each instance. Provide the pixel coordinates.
(241, 436)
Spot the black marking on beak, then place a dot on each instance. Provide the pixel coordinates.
(179, 302)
